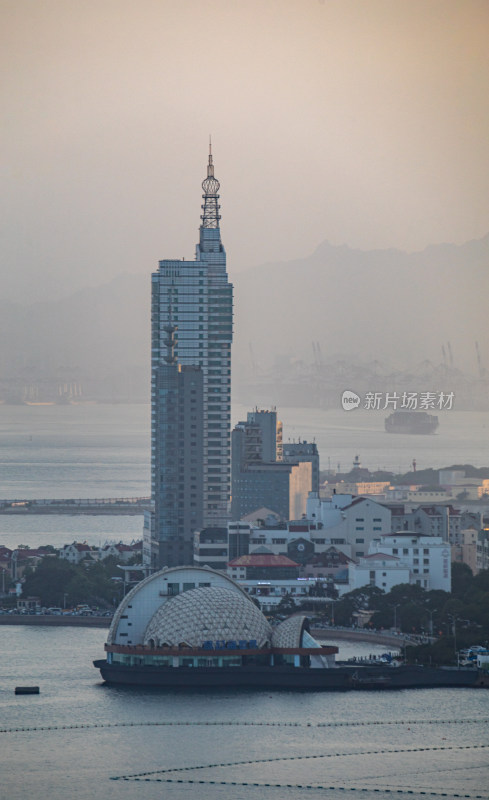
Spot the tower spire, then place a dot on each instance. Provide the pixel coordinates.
(210, 185)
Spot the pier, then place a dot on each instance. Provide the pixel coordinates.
(103, 505)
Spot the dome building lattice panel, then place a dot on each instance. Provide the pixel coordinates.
(289, 632)
(207, 614)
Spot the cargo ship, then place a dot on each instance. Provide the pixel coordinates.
(411, 422)
(196, 628)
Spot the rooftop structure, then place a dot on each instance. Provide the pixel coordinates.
(258, 566)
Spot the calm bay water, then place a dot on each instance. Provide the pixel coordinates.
(462, 438)
(71, 451)
(419, 741)
(74, 451)
(103, 451)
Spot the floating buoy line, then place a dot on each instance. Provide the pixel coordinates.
(140, 775)
(161, 775)
(237, 723)
(316, 787)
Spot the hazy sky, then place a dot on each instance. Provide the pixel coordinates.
(363, 122)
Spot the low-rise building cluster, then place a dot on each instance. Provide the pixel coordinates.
(15, 562)
(78, 552)
(305, 560)
(349, 532)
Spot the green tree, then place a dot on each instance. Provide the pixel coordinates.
(49, 581)
(461, 579)
(56, 581)
(481, 581)
(287, 605)
(343, 611)
(79, 589)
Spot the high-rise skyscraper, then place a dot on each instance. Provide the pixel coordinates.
(177, 457)
(195, 298)
(267, 474)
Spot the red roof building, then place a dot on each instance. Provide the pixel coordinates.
(263, 566)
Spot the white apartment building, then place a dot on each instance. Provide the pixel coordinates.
(428, 558)
(327, 511)
(378, 569)
(431, 520)
(77, 552)
(355, 521)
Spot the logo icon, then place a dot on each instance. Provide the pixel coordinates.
(349, 400)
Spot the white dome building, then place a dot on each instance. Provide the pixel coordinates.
(148, 600)
(196, 617)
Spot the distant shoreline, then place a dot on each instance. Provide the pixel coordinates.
(55, 621)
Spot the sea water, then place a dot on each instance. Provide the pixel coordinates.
(82, 739)
(73, 451)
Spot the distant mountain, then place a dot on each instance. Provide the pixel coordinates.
(379, 304)
(382, 305)
(98, 337)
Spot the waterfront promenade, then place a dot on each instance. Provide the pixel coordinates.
(389, 638)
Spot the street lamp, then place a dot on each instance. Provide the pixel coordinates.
(3, 581)
(406, 645)
(395, 615)
(431, 620)
(65, 595)
(454, 630)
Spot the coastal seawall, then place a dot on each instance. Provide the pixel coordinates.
(361, 635)
(54, 621)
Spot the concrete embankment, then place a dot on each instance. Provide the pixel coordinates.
(359, 635)
(54, 621)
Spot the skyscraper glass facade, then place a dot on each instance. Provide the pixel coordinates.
(197, 299)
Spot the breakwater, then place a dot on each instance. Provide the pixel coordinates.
(98, 505)
(54, 621)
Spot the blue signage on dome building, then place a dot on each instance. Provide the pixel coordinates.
(242, 644)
